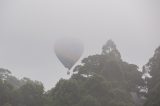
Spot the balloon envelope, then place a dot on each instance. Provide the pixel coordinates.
(68, 51)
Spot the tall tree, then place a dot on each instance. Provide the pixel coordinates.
(5, 93)
(153, 82)
(4, 73)
(30, 94)
(110, 65)
(105, 79)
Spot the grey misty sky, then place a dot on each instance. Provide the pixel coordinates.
(29, 28)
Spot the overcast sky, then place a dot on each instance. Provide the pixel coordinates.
(29, 28)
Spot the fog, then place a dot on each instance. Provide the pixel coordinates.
(30, 28)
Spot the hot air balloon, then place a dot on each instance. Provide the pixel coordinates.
(68, 51)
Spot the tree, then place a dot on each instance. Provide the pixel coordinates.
(88, 101)
(110, 65)
(5, 93)
(153, 82)
(4, 73)
(102, 80)
(66, 93)
(24, 92)
(30, 94)
(110, 49)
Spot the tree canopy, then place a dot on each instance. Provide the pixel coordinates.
(153, 82)
(101, 80)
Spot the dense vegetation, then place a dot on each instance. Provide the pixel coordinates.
(153, 83)
(102, 80)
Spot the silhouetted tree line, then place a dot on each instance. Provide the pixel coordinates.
(102, 80)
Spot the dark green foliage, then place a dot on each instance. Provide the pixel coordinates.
(24, 92)
(4, 73)
(5, 93)
(110, 66)
(31, 94)
(110, 49)
(88, 101)
(66, 92)
(153, 83)
(102, 80)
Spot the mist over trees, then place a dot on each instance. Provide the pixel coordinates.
(101, 80)
(153, 83)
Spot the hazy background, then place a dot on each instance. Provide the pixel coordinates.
(29, 28)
